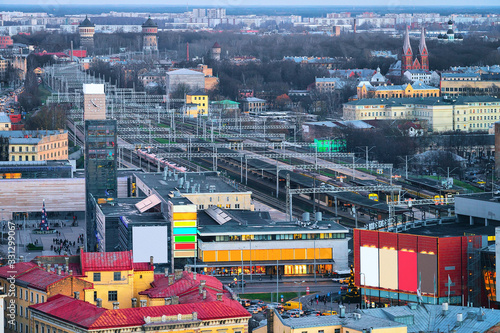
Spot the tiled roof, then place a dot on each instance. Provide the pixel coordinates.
(143, 266)
(89, 316)
(38, 278)
(106, 261)
(19, 268)
(77, 312)
(183, 286)
(4, 118)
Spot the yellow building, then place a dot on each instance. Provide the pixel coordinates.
(417, 89)
(473, 113)
(34, 284)
(37, 145)
(466, 84)
(350, 323)
(200, 99)
(63, 314)
(116, 279)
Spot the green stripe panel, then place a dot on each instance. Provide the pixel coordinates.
(185, 239)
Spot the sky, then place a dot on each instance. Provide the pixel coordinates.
(229, 3)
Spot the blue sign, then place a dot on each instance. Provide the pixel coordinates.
(281, 296)
(328, 294)
(340, 293)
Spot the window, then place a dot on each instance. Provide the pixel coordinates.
(26, 294)
(37, 298)
(43, 299)
(237, 206)
(31, 297)
(95, 296)
(321, 331)
(112, 296)
(337, 330)
(97, 277)
(117, 276)
(20, 311)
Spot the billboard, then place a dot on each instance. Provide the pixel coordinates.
(427, 272)
(388, 268)
(369, 266)
(407, 272)
(150, 241)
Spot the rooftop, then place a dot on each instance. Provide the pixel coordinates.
(126, 208)
(184, 71)
(365, 322)
(106, 261)
(430, 318)
(459, 100)
(89, 316)
(4, 118)
(24, 134)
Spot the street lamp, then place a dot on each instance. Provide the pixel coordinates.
(364, 289)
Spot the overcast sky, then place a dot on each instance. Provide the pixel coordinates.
(387, 4)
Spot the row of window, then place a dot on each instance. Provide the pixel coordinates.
(117, 276)
(227, 206)
(468, 89)
(53, 146)
(279, 237)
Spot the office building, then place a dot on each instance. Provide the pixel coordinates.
(100, 160)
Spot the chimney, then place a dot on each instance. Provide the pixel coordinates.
(166, 271)
(203, 283)
(116, 305)
(200, 288)
(168, 300)
(21, 258)
(170, 280)
(59, 270)
(195, 315)
(219, 296)
(48, 267)
(99, 302)
(134, 302)
(204, 292)
(77, 294)
(70, 272)
(151, 260)
(39, 263)
(66, 267)
(186, 268)
(175, 300)
(178, 274)
(194, 276)
(144, 303)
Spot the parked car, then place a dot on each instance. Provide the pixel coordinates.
(328, 313)
(237, 283)
(262, 304)
(245, 302)
(312, 313)
(295, 313)
(253, 309)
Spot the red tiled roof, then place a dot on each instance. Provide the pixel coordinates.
(216, 46)
(184, 285)
(143, 266)
(19, 268)
(89, 316)
(57, 54)
(39, 279)
(106, 261)
(69, 309)
(79, 53)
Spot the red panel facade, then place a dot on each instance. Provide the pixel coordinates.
(387, 239)
(357, 263)
(427, 244)
(407, 271)
(407, 242)
(369, 237)
(450, 259)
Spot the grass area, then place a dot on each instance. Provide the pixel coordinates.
(163, 125)
(43, 93)
(459, 183)
(266, 297)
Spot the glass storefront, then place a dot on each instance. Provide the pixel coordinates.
(287, 270)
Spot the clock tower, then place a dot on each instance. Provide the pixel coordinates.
(94, 102)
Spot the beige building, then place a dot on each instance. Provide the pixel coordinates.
(466, 84)
(94, 101)
(5, 124)
(474, 113)
(37, 146)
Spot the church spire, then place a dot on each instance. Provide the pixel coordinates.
(422, 48)
(407, 46)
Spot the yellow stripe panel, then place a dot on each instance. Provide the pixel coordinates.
(185, 224)
(184, 254)
(184, 216)
(270, 254)
(208, 256)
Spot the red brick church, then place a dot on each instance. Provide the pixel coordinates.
(422, 59)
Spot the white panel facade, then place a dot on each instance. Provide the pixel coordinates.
(369, 266)
(150, 241)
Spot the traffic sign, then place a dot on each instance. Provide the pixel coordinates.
(307, 290)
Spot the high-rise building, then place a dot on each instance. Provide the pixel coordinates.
(86, 29)
(149, 36)
(100, 161)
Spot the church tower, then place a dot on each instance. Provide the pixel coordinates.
(423, 54)
(407, 56)
(149, 36)
(86, 30)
